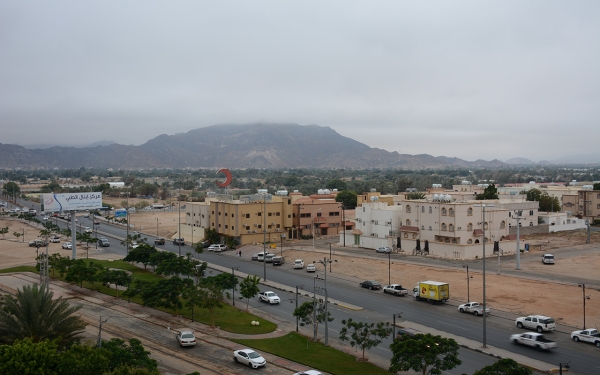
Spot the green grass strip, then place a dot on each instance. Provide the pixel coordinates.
(20, 269)
(298, 348)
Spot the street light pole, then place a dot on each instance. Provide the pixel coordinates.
(484, 304)
(468, 284)
(264, 237)
(233, 287)
(583, 286)
(179, 225)
(313, 227)
(156, 227)
(399, 315)
(324, 263)
(518, 218)
(344, 222)
(563, 365)
(297, 318)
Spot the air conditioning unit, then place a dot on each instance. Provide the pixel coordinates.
(459, 228)
(249, 231)
(253, 231)
(372, 221)
(277, 229)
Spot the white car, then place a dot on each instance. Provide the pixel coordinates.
(548, 259)
(249, 358)
(384, 249)
(55, 239)
(186, 338)
(88, 230)
(134, 245)
(587, 335)
(217, 247)
(538, 323)
(309, 372)
(298, 264)
(67, 246)
(311, 268)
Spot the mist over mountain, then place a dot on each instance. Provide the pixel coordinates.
(232, 146)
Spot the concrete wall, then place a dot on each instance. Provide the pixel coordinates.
(537, 229)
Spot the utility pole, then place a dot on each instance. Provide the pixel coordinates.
(518, 218)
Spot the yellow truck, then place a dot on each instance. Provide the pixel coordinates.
(432, 291)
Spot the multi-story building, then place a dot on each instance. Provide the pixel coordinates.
(588, 204)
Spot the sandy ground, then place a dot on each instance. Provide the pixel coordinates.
(523, 296)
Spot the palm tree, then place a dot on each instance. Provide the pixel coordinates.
(33, 313)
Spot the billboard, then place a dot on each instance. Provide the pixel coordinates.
(120, 213)
(71, 201)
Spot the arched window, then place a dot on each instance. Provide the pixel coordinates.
(444, 211)
(444, 226)
(476, 241)
(430, 209)
(414, 235)
(485, 225)
(470, 211)
(451, 212)
(407, 222)
(408, 208)
(447, 240)
(531, 223)
(405, 235)
(454, 241)
(470, 241)
(503, 224)
(451, 227)
(423, 209)
(430, 229)
(470, 227)
(422, 227)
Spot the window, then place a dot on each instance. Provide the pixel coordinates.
(470, 241)
(451, 227)
(408, 222)
(225, 213)
(408, 208)
(530, 212)
(259, 213)
(451, 212)
(430, 209)
(247, 216)
(454, 241)
(225, 226)
(470, 211)
(422, 227)
(405, 235)
(447, 240)
(485, 225)
(269, 214)
(444, 211)
(444, 226)
(430, 228)
(502, 224)
(470, 227)
(423, 209)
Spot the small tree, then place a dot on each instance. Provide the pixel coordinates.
(59, 263)
(141, 254)
(504, 366)
(3, 231)
(364, 335)
(348, 199)
(490, 192)
(308, 316)
(117, 277)
(212, 299)
(249, 288)
(17, 234)
(421, 352)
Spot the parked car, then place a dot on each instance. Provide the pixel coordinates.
(134, 245)
(278, 261)
(159, 241)
(38, 242)
(384, 249)
(261, 256)
(395, 289)
(179, 241)
(269, 258)
(67, 245)
(311, 268)
(103, 242)
(249, 357)
(536, 340)
(298, 264)
(587, 335)
(255, 256)
(538, 323)
(186, 338)
(55, 239)
(88, 230)
(370, 284)
(96, 222)
(473, 307)
(405, 332)
(309, 372)
(548, 259)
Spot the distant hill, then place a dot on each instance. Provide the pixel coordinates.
(519, 161)
(233, 146)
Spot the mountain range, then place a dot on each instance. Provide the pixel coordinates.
(232, 146)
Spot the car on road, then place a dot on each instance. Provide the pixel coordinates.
(404, 333)
(179, 241)
(249, 357)
(261, 256)
(55, 239)
(159, 241)
(395, 289)
(186, 338)
(533, 339)
(96, 222)
(473, 307)
(309, 372)
(587, 335)
(38, 242)
(278, 261)
(103, 242)
(67, 246)
(269, 296)
(216, 247)
(539, 323)
(311, 268)
(548, 259)
(255, 256)
(86, 215)
(370, 284)
(88, 230)
(384, 249)
(269, 258)
(298, 264)
(134, 245)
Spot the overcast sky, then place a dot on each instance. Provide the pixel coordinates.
(470, 79)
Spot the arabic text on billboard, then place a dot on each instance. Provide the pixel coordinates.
(71, 201)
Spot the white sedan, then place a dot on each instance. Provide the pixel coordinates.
(186, 338)
(67, 246)
(298, 264)
(311, 268)
(309, 372)
(55, 239)
(249, 357)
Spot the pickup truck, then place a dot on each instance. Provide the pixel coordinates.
(395, 289)
(269, 297)
(159, 241)
(587, 335)
(536, 340)
(473, 307)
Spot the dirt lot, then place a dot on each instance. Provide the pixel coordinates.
(517, 295)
